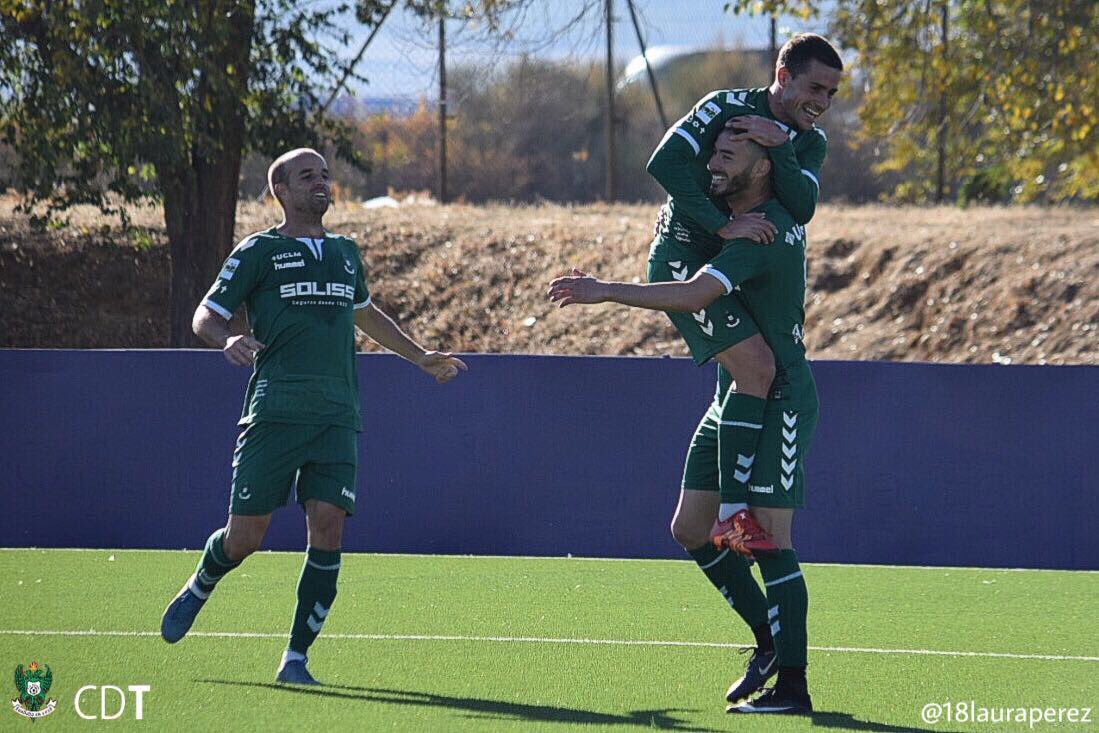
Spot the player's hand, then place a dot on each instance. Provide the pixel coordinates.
(757, 129)
(241, 350)
(441, 365)
(753, 226)
(580, 287)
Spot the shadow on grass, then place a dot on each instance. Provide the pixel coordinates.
(481, 708)
(846, 721)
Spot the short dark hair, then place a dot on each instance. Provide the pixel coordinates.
(796, 53)
(278, 172)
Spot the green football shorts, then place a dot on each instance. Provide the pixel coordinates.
(720, 325)
(778, 473)
(271, 457)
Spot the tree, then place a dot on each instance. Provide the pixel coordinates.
(998, 95)
(112, 101)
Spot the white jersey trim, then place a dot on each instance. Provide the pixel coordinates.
(217, 309)
(810, 176)
(365, 303)
(711, 270)
(687, 136)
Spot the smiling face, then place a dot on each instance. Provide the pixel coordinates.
(735, 165)
(300, 181)
(802, 98)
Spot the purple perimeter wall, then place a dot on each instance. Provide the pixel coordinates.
(541, 455)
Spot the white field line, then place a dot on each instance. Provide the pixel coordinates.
(870, 566)
(544, 640)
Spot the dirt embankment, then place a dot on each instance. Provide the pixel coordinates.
(908, 284)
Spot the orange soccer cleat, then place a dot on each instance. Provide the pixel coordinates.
(742, 534)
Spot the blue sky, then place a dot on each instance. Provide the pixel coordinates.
(401, 61)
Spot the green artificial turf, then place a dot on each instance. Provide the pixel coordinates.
(518, 644)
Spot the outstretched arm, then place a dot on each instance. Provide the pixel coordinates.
(689, 296)
(381, 328)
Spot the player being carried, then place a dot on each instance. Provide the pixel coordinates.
(305, 292)
(781, 118)
(744, 291)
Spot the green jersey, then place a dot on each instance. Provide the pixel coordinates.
(679, 162)
(301, 295)
(770, 281)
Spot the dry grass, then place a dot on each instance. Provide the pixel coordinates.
(929, 284)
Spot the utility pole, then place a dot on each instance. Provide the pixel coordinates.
(940, 179)
(774, 43)
(648, 66)
(442, 106)
(612, 183)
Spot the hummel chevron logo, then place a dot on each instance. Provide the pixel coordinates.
(788, 466)
(741, 476)
(788, 450)
(316, 619)
(789, 435)
(787, 482)
(790, 418)
(745, 461)
(740, 99)
(707, 325)
(676, 272)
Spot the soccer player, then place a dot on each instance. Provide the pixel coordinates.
(305, 292)
(767, 282)
(782, 118)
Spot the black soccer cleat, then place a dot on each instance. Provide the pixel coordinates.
(777, 700)
(762, 666)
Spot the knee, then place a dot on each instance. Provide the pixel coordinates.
(689, 537)
(759, 366)
(240, 544)
(326, 531)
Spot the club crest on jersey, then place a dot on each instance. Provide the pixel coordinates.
(348, 267)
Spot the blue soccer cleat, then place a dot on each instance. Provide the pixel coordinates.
(181, 613)
(294, 672)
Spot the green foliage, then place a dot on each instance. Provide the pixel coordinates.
(108, 97)
(987, 186)
(1011, 89)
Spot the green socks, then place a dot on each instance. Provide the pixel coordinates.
(316, 591)
(732, 576)
(788, 604)
(737, 437)
(212, 567)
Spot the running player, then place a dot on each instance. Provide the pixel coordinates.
(305, 292)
